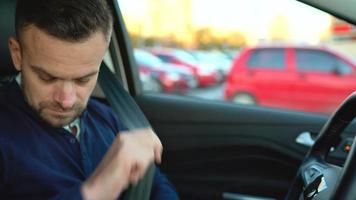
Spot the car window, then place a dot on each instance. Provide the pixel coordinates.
(147, 59)
(164, 58)
(213, 50)
(315, 61)
(344, 68)
(185, 56)
(319, 61)
(267, 58)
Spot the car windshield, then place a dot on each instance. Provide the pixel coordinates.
(147, 59)
(185, 56)
(285, 55)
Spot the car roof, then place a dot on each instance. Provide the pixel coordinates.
(289, 45)
(319, 47)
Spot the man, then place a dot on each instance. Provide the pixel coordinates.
(56, 142)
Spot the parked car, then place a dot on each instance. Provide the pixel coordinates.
(205, 75)
(312, 79)
(217, 60)
(169, 77)
(148, 82)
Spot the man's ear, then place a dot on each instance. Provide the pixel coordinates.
(15, 51)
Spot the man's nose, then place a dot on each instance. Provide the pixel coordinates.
(66, 95)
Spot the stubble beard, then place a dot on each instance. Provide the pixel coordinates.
(45, 110)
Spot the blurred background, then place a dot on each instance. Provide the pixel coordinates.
(282, 54)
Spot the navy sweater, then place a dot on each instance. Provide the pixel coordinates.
(38, 161)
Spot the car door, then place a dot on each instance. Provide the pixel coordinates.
(268, 76)
(216, 149)
(324, 80)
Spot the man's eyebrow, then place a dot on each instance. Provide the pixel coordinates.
(39, 70)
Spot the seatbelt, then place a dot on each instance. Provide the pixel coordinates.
(131, 115)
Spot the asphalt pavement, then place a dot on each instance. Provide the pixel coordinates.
(212, 93)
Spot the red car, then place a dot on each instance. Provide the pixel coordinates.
(314, 79)
(204, 74)
(167, 79)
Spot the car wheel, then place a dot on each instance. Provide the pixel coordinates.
(244, 98)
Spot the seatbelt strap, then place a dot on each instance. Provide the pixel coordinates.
(131, 115)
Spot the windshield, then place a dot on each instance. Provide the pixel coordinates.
(147, 59)
(186, 57)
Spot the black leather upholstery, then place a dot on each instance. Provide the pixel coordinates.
(7, 28)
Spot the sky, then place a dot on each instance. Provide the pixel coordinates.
(256, 15)
(134, 8)
(252, 16)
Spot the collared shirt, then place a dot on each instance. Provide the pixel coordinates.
(38, 161)
(75, 123)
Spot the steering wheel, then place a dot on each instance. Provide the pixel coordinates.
(317, 179)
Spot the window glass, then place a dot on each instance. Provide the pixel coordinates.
(344, 68)
(206, 49)
(147, 59)
(187, 57)
(317, 61)
(267, 58)
(164, 58)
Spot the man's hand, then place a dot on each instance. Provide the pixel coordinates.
(125, 163)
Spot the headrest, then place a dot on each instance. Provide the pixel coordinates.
(7, 28)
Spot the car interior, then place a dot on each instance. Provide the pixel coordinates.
(218, 150)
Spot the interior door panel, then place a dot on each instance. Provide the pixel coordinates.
(211, 148)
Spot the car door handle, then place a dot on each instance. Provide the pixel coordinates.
(305, 138)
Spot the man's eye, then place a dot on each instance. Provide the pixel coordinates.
(47, 79)
(82, 80)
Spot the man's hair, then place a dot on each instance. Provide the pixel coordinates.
(69, 20)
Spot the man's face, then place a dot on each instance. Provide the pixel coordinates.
(58, 76)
